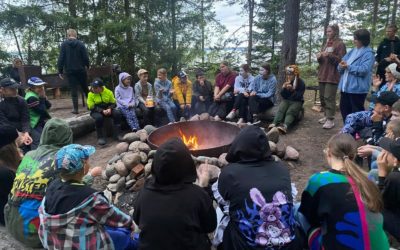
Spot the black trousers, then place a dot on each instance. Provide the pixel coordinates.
(242, 103)
(99, 118)
(350, 103)
(148, 114)
(198, 106)
(77, 80)
(258, 104)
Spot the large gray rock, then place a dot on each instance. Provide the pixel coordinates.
(291, 154)
(195, 118)
(131, 137)
(151, 154)
(273, 147)
(222, 162)
(122, 147)
(204, 116)
(149, 128)
(273, 135)
(142, 135)
(143, 157)
(114, 178)
(121, 169)
(147, 169)
(131, 159)
(110, 170)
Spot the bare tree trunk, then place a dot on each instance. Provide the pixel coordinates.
(148, 35)
(310, 33)
(273, 37)
(388, 13)
(173, 24)
(289, 44)
(72, 12)
(394, 11)
(374, 20)
(327, 16)
(130, 55)
(251, 4)
(202, 33)
(16, 41)
(96, 34)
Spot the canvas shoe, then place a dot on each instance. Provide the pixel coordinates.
(241, 120)
(328, 124)
(231, 115)
(322, 120)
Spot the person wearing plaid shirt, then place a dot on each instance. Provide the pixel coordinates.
(75, 216)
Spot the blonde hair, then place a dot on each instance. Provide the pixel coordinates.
(71, 33)
(162, 71)
(10, 156)
(343, 146)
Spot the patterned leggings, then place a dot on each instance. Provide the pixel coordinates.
(130, 117)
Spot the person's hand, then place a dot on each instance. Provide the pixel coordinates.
(365, 151)
(188, 106)
(217, 97)
(388, 59)
(182, 106)
(324, 54)
(383, 165)
(246, 94)
(319, 55)
(376, 82)
(203, 175)
(376, 117)
(96, 171)
(235, 91)
(61, 76)
(20, 139)
(27, 140)
(202, 98)
(393, 57)
(343, 64)
(172, 91)
(253, 93)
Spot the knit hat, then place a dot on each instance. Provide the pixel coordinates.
(390, 145)
(35, 81)
(8, 134)
(393, 69)
(10, 83)
(69, 158)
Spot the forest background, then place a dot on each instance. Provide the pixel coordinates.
(185, 34)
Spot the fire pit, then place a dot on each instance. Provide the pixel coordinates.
(203, 138)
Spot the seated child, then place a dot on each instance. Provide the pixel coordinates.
(202, 94)
(292, 99)
(14, 110)
(340, 208)
(101, 103)
(38, 105)
(164, 91)
(182, 94)
(126, 102)
(73, 215)
(143, 91)
(172, 212)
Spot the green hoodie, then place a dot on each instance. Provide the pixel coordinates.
(32, 177)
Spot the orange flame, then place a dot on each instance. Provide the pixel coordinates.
(190, 142)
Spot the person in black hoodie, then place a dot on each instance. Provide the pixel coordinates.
(387, 51)
(75, 60)
(171, 211)
(258, 191)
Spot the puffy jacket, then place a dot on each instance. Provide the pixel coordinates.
(101, 101)
(359, 72)
(183, 92)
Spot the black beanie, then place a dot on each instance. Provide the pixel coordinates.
(8, 134)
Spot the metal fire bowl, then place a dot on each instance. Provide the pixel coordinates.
(214, 138)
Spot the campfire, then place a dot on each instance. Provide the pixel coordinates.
(190, 142)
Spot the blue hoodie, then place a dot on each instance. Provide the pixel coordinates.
(124, 95)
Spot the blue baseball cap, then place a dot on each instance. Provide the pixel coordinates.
(182, 74)
(69, 158)
(97, 83)
(35, 81)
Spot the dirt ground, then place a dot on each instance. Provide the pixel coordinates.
(308, 137)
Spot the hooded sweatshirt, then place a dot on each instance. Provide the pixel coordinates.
(259, 194)
(171, 212)
(74, 215)
(32, 177)
(124, 94)
(384, 49)
(73, 57)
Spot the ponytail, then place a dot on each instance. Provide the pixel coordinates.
(343, 146)
(369, 191)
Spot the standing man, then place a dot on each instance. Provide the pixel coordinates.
(388, 49)
(74, 60)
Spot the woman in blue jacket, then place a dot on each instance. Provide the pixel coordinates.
(356, 71)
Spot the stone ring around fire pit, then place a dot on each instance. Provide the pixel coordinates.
(203, 138)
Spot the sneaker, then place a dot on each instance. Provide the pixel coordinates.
(217, 118)
(322, 120)
(101, 141)
(241, 120)
(75, 112)
(282, 129)
(255, 119)
(182, 119)
(328, 124)
(231, 115)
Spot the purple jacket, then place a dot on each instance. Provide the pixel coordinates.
(124, 95)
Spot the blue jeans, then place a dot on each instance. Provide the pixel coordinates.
(170, 108)
(36, 133)
(301, 219)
